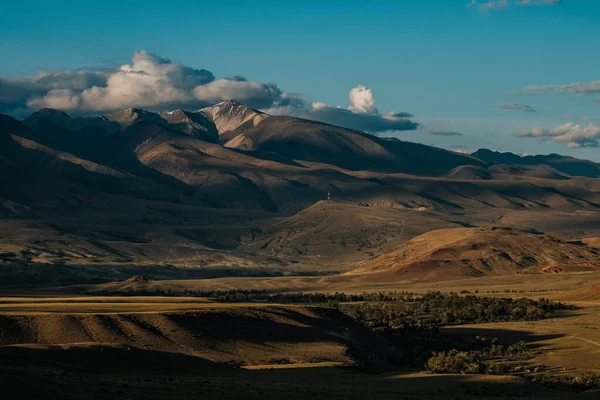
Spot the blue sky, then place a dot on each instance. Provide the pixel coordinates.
(448, 63)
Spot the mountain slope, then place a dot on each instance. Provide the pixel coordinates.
(587, 293)
(305, 140)
(469, 173)
(39, 176)
(471, 252)
(287, 164)
(193, 124)
(343, 232)
(145, 188)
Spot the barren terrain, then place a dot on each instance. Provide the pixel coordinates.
(190, 347)
(112, 227)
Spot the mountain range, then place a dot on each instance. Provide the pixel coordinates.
(230, 186)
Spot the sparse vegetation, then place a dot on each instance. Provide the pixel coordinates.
(494, 359)
(578, 383)
(436, 309)
(392, 309)
(263, 296)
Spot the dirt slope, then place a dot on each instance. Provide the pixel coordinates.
(346, 233)
(586, 293)
(462, 252)
(237, 335)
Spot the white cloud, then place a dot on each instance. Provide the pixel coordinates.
(149, 81)
(360, 115)
(258, 94)
(61, 99)
(362, 100)
(14, 92)
(573, 135)
(157, 83)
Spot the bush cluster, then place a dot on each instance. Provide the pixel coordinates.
(436, 309)
(581, 382)
(491, 360)
(261, 295)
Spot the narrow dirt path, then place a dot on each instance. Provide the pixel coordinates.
(586, 340)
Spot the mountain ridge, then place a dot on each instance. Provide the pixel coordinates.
(286, 162)
(147, 188)
(566, 164)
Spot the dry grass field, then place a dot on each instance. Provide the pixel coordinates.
(536, 285)
(185, 347)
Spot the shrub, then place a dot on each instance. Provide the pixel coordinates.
(581, 382)
(494, 368)
(454, 362)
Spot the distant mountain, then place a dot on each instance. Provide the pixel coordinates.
(193, 124)
(568, 165)
(232, 156)
(231, 116)
(48, 118)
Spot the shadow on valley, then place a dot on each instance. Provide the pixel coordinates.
(115, 373)
(532, 339)
(38, 276)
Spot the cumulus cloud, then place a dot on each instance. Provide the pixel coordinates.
(258, 95)
(517, 106)
(504, 4)
(61, 99)
(360, 115)
(149, 81)
(157, 83)
(573, 135)
(15, 92)
(362, 101)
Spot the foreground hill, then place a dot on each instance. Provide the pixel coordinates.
(471, 252)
